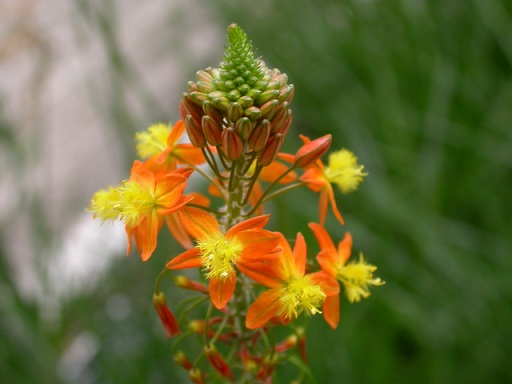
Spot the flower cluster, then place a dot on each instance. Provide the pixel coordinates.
(249, 277)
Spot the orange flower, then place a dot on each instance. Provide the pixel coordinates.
(141, 203)
(218, 253)
(167, 154)
(356, 277)
(291, 289)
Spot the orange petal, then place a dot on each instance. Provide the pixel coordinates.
(176, 133)
(327, 283)
(263, 309)
(221, 290)
(178, 231)
(198, 223)
(255, 195)
(188, 259)
(259, 244)
(327, 261)
(345, 248)
(323, 238)
(323, 204)
(146, 234)
(189, 154)
(331, 310)
(254, 222)
(263, 273)
(337, 213)
(299, 255)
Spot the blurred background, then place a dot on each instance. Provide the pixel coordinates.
(421, 91)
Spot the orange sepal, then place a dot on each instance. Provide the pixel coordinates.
(263, 273)
(253, 222)
(331, 310)
(198, 223)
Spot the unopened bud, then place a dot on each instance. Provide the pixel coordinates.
(204, 75)
(244, 128)
(290, 342)
(259, 136)
(234, 94)
(197, 376)
(189, 107)
(312, 151)
(269, 153)
(269, 94)
(209, 110)
(205, 87)
(253, 113)
(268, 109)
(195, 133)
(232, 144)
(235, 111)
(181, 359)
(221, 103)
(192, 87)
(167, 318)
(217, 362)
(245, 101)
(212, 132)
(286, 94)
(184, 282)
(198, 97)
(254, 93)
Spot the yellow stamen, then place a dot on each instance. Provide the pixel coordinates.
(301, 295)
(153, 140)
(105, 204)
(219, 255)
(344, 171)
(357, 277)
(137, 202)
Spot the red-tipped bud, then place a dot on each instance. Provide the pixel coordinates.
(212, 131)
(195, 132)
(197, 376)
(312, 151)
(302, 344)
(189, 107)
(259, 136)
(286, 94)
(217, 361)
(182, 360)
(290, 342)
(166, 317)
(235, 111)
(280, 117)
(184, 282)
(269, 153)
(232, 144)
(283, 126)
(209, 110)
(244, 128)
(266, 368)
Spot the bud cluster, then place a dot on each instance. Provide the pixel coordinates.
(249, 279)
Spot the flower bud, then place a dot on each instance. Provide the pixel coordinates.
(232, 144)
(205, 87)
(217, 362)
(290, 342)
(198, 97)
(188, 107)
(235, 111)
(168, 320)
(245, 101)
(196, 376)
(269, 94)
(234, 94)
(244, 127)
(195, 133)
(209, 110)
(269, 153)
(259, 136)
(312, 151)
(181, 359)
(221, 103)
(286, 94)
(254, 93)
(253, 113)
(268, 109)
(204, 75)
(185, 283)
(212, 132)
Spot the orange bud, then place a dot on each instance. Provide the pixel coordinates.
(168, 320)
(266, 368)
(232, 144)
(312, 151)
(209, 110)
(182, 360)
(184, 282)
(235, 111)
(253, 113)
(197, 376)
(280, 117)
(259, 136)
(271, 150)
(217, 361)
(212, 131)
(189, 107)
(290, 342)
(244, 127)
(195, 133)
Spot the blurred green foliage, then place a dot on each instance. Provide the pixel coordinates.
(421, 92)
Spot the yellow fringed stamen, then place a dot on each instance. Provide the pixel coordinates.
(301, 294)
(357, 277)
(219, 255)
(153, 140)
(344, 171)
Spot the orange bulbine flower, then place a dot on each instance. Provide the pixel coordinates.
(218, 253)
(141, 203)
(166, 153)
(291, 289)
(356, 277)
